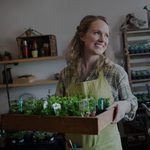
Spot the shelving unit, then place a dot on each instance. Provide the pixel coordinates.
(27, 84)
(136, 45)
(137, 60)
(37, 82)
(45, 48)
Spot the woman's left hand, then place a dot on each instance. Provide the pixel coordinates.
(121, 108)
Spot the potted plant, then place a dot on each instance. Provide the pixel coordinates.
(7, 56)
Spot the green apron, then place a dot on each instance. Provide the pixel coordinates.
(109, 137)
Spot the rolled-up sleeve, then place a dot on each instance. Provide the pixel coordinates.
(125, 93)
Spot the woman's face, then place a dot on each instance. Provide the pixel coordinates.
(96, 38)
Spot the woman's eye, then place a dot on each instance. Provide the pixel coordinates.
(98, 33)
(101, 34)
(107, 35)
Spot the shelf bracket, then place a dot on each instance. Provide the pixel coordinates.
(7, 87)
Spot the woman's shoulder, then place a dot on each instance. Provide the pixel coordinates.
(116, 74)
(116, 70)
(66, 71)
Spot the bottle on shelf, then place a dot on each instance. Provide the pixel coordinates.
(25, 52)
(46, 49)
(30, 45)
(34, 49)
(41, 52)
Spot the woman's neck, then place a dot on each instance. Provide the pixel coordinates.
(87, 66)
(89, 61)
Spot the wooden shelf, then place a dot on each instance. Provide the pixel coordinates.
(138, 31)
(140, 81)
(13, 61)
(34, 83)
(139, 64)
(139, 54)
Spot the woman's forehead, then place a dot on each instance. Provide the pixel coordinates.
(99, 25)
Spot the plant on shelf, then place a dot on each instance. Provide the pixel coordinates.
(7, 56)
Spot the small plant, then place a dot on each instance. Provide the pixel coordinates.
(7, 56)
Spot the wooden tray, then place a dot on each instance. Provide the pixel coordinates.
(69, 124)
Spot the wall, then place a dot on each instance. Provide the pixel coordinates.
(59, 17)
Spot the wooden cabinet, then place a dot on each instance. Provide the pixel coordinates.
(45, 44)
(136, 45)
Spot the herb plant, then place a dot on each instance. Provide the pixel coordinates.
(58, 105)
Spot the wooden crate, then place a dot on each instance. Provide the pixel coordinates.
(50, 40)
(69, 124)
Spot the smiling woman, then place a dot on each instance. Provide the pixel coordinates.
(89, 68)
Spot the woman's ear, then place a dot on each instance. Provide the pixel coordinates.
(81, 35)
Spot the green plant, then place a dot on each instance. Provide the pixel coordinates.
(13, 106)
(58, 105)
(7, 54)
(71, 105)
(33, 106)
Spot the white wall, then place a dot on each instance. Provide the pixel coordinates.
(59, 17)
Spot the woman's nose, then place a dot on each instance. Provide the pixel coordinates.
(101, 37)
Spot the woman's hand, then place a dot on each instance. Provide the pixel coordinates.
(121, 108)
